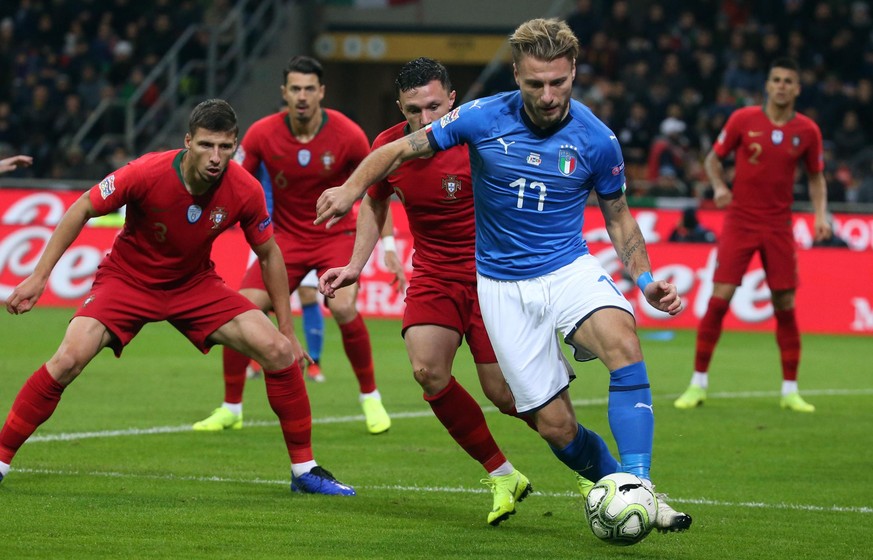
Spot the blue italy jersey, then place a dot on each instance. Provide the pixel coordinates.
(530, 185)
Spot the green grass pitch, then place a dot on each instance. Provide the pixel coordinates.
(117, 472)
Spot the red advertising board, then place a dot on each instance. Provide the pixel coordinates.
(835, 296)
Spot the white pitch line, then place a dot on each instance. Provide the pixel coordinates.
(73, 436)
(443, 490)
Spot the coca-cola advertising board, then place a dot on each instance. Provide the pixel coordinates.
(835, 295)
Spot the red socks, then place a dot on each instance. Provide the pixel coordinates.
(788, 339)
(356, 342)
(709, 332)
(286, 392)
(463, 418)
(35, 403)
(234, 375)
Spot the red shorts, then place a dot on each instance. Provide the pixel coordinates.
(197, 308)
(330, 252)
(451, 304)
(737, 247)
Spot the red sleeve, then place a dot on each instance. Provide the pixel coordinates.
(115, 190)
(730, 135)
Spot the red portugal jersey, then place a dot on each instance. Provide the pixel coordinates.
(437, 194)
(301, 172)
(766, 160)
(168, 232)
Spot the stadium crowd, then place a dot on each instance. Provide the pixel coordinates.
(60, 59)
(663, 74)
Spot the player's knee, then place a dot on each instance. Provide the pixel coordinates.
(622, 351)
(556, 423)
(559, 435)
(277, 353)
(431, 381)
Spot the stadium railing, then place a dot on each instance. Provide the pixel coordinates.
(251, 25)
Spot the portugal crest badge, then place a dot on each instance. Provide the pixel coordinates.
(217, 217)
(451, 184)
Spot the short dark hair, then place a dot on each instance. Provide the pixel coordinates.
(303, 65)
(215, 115)
(785, 62)
(420, 72)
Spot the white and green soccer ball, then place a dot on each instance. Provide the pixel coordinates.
(621, 509)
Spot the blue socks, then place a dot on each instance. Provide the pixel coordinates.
(631, 417)
(588, 455)
(313, 328)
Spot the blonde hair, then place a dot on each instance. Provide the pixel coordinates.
(544, 39)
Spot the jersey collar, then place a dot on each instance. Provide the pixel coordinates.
(320, 127)
(543, 132)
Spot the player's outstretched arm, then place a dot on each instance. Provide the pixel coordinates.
(24, 296)
(14, 162)
(631, 249)
(336, 202)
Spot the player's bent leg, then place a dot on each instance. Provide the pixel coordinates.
(248, 335)
(41, 393)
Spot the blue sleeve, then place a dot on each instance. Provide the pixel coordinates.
(458, 126)
(607, 165)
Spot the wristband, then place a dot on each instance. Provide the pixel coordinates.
(644, 280)
(388, 243)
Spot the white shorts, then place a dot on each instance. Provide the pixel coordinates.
(523, 317)
(310, 280)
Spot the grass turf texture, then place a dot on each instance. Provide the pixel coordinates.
(116, 472)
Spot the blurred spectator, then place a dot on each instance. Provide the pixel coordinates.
(122, 63)
(90, 86)
(10, 125)
(690, 230)
(584, 21)
(69, 120)
(746, 78)
(849, 138)
(666, 163)
(635, 136)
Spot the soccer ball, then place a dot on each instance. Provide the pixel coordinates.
(621, 509)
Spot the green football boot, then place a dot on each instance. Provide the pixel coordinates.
(220, 419)
(508, 490)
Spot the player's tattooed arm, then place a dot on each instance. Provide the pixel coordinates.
(625, 235)
(418, 142)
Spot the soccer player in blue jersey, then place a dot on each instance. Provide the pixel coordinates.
(536, 156)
